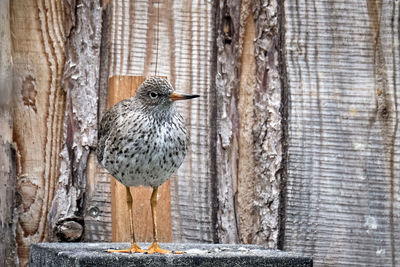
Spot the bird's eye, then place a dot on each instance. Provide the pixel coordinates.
(153, 95)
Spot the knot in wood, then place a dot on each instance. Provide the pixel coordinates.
(69, 231)
(384, 113)
(227, 28)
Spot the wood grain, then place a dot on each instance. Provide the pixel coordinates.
(343, 63)
(97, 214)
(185, 57)
(8, 249)
(245, 169)
(80, 81)
(122, 87)
(38, 43)
(248, 142)
(268, 125)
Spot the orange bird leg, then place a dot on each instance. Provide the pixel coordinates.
(134, 247)
(154, 247)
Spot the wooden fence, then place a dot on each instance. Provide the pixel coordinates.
(294, 140)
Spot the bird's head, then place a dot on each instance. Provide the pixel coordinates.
(158, 92)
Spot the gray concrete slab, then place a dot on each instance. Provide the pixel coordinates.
(215, 255)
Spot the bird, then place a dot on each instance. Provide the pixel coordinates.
(143, 140)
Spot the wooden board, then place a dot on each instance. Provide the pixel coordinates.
(55, 116)
(8, 247)
(248, 120)
(38, 57)
(228, 189)
(122, 87)
(185, 39)
(97, 213)
(80, 79)
(343, 63)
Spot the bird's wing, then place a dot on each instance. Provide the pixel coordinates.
(106, 125)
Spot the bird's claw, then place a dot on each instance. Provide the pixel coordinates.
(155, 248)
(133, 249)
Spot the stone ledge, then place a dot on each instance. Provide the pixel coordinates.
(215, 255)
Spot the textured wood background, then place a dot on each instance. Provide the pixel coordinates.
(39, 102)
(55, 84)
(294, 140)
(7, 154)
(343, 61)
(246, 145)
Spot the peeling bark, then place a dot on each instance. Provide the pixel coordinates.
(249, 126)
(97, 216)
(80, 83)
(227, 82)
(267, 128)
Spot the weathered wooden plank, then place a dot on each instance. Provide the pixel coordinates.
(49, 56)
(246, 166)
(80, 82)
(267, 125)
(343, 63)
(226, 138)
(8, 249)
(122, 87)
(38, 43)
(97, 215)
(249, 125)
(184, 56)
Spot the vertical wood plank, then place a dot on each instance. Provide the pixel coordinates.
(248, 142)
(343, 63)
(38, 56)
(80, 79)
(185, 57)
(122, 87)
(245, 171)
(226, 139)
(7, 153)
(53, 137)
(97, 214)
(268, 124)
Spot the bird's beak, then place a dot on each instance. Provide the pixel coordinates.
(179, 96)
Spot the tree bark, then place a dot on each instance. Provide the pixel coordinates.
(249, 122)
(56, 81)
(80, 82)
(97, 214)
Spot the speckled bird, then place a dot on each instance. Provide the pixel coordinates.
(143, 141)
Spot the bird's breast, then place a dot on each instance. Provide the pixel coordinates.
(147, 153)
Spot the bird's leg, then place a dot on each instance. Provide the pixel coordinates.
(154, 247)
(134, 247)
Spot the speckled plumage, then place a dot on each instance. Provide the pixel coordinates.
(143, 139)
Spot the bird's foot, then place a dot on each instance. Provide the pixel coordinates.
(155, 248)
(133, 249)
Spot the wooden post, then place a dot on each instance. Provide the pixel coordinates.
(122, 87)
